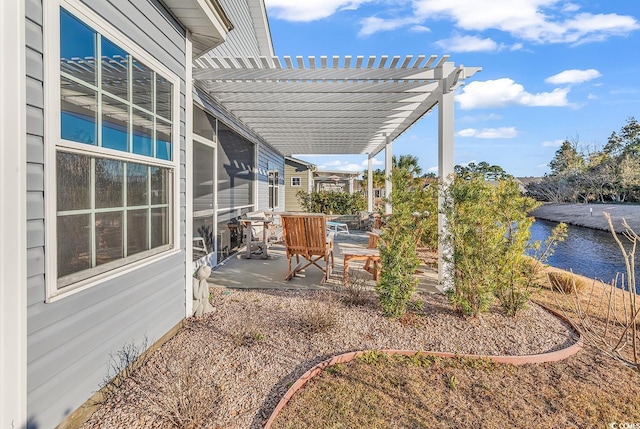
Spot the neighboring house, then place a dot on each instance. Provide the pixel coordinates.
(298, 176)
(121, 156)
(341, 181)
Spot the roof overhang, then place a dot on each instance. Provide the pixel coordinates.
(329, 105)
(205, 20)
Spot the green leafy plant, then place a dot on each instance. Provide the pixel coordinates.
(397, 247)
(489, 232)
(475, 237)
(330, 202)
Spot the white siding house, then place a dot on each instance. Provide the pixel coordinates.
(119, 151)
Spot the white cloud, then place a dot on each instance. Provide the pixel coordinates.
(420, 29)
(573, 76)
(534, 20)
(335, 163)
(468, 44)
(433, 169)
(554, 143)
(503, 92)
(373, 24)
(479, 118)
(308, 10)
(340, 166)
(592, 97)
(570, 7)
(489, 133)
(374, 162)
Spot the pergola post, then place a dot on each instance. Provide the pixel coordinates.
(445, 168)
(388, 167)
(370, 185)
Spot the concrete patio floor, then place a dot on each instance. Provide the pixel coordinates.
(238, 272)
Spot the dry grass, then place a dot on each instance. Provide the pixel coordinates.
(460, 393)
(175, 392)
(565, 282)
(319, 315)
(589, 390)
(355, 292)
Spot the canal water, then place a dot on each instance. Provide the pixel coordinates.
(589, 252)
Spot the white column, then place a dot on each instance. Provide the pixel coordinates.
(13, 208)
(370, 185)
(388, 167)
(188, 288)
(445, 169)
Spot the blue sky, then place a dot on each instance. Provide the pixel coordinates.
(552, 69)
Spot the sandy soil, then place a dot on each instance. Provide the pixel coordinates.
(234, 365)
(591, 215)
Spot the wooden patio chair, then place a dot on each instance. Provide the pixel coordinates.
(306, 235)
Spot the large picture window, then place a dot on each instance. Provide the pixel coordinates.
(114, 169)
(120, 103)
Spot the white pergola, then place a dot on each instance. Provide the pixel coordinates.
(338, 105)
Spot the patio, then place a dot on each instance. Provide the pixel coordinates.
(238, 272)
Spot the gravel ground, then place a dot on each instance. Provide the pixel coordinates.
(229, 368)
(590, 215)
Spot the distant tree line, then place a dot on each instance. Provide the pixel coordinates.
(611, 174)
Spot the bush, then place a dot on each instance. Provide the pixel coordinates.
(565, 282)
(330, 202)
(398, 256)
(488, 231)
(355, 292)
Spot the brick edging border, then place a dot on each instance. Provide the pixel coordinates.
(554, 356)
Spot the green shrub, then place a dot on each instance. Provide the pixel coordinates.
(397, 246)
(489, 233)
(330, 202)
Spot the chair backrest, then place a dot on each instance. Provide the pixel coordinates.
(305, 234)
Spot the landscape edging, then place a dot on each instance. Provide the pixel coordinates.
(554, 356)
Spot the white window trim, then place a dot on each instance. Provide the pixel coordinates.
(299, 180)
(51, 57)
(275, 185)
(188, 275)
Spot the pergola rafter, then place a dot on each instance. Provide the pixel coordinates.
(338, 105)
(302, 104)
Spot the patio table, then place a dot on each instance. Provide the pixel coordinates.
(247, 223)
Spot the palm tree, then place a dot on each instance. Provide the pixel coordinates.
(378, 178)
(408, 163)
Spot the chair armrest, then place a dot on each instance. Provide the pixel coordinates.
(330, 236)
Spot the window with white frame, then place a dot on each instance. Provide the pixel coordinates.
(296, 181)
(114, 160)
(274, 181)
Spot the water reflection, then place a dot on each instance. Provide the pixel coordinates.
(586, 251)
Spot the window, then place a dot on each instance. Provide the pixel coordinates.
(114, 160)
(273, 188)
(296, 181)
